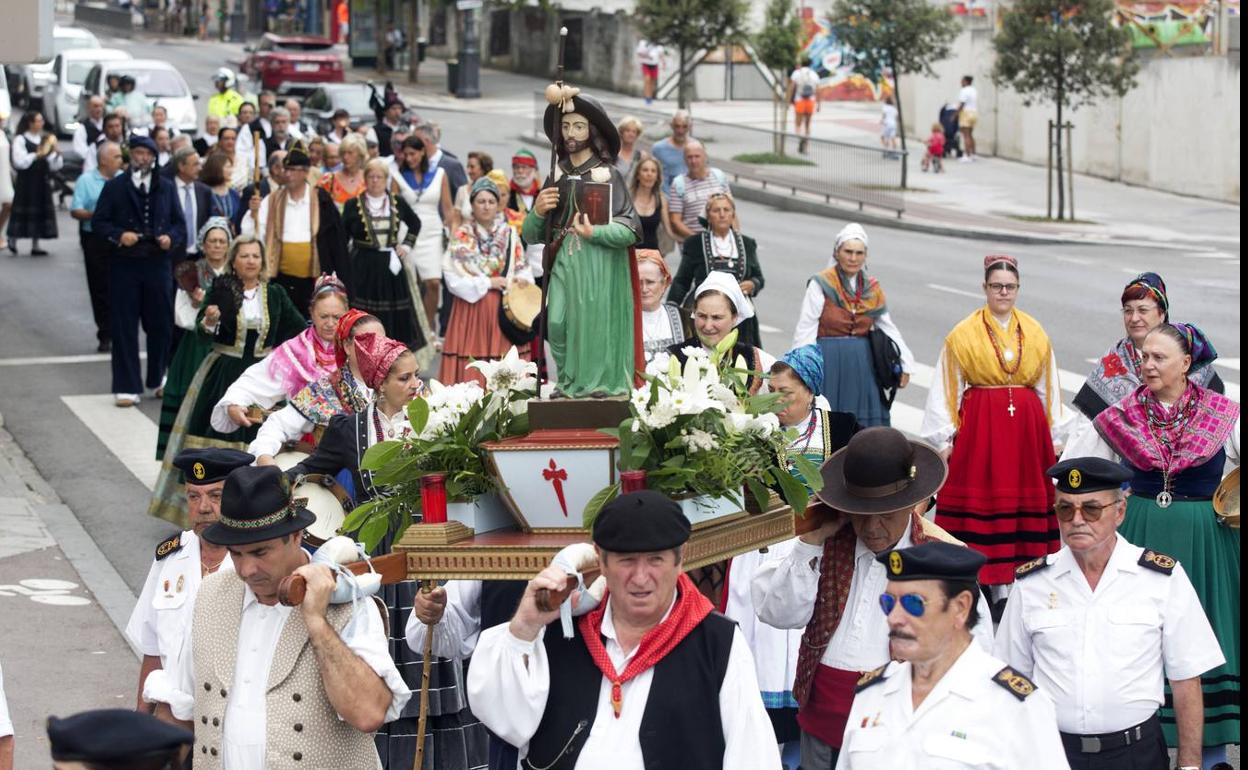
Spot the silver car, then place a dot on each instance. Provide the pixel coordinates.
(69, 72)
(33, 78)
(158, 80)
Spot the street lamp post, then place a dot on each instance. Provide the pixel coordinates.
(469, 86)
(238, 23)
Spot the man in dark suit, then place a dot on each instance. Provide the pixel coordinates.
(139, 216)
(194, 196)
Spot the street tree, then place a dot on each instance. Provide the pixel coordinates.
(777, 47)
(689, 26)
(1065, 51)
(903, 37)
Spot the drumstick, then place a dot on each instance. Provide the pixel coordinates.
(549, 601)
(392, 567)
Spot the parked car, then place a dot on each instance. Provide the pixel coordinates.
(69, 72)
(288, 63)
(159, 80)
(29, 80)
(320, 105)
(6, 105)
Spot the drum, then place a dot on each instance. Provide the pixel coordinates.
(328, 501)
(289, 459)
(522, 302)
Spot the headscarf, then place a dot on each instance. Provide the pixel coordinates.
(654, 257)
(499, 179)
(375, 355)
(727, 285)
(1152, 283)
(524, 158)
(486, 184)
(1202, 350)
(214, 223)
(807, 362)
(850, 232)
(345, 324)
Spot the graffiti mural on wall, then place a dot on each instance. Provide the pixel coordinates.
(837, 67)
(1164, 25)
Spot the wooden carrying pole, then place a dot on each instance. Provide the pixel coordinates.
(255, 180)
(426, 658)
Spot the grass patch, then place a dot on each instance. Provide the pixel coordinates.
(1046, 220)
(771, 158)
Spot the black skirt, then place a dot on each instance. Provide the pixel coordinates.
(377, 291)
(33, 214)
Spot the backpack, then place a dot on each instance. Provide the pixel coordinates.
(807, 91)
(886, 364)
(678, 184)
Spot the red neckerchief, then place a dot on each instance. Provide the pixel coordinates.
(690, 609)
(531, 191)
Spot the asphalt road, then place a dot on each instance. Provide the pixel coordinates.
(931, 283)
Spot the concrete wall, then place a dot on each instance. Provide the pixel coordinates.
(1177, 130)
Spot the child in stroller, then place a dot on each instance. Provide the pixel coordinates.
(935, 149)
(949, 124)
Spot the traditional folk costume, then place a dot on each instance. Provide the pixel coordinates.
(742, 356)
(291, 366)
(592, 317)
(475, 255)
(668, 324)
(584, 702)
(456, 740)
(192, 348)
(832, 590)
(33, 214)
(995, 388)
(252, 323)
(379, 285)
(339, 192)
(423, 195)
(1177, 453)
(705, 253)
(302, 238)
(838, 311)
(268, 708)
(520, 200)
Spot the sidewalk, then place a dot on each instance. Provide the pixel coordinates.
(59, 644)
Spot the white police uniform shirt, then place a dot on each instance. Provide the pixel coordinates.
(162, 617)
(1101, 654)
(977, 716)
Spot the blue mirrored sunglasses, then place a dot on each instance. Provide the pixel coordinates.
(912, 603)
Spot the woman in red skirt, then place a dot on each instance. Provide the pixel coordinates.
(484, 256)
(992, 411)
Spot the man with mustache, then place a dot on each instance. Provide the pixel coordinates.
(830, 582)
(948, 703)
(162, 618)
(1101, 622)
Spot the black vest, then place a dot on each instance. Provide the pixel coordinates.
(93, 133)
(499, 600)
(681, 726)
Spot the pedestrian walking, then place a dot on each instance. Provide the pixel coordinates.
(968, 117)
(225, 201)
(804, 95)
(888, 126)
(691, 190)
(949, 702)
(138, 214)
(35, 158)
(388, 108)
(843, 306)
(226, 101)
(194, 197)
(650, 57)
(630, 129)
(1063, 628)
(95, 249)
(1176, 438)
(522, 193)
(670, 150)
(87, 135)
(995, 411)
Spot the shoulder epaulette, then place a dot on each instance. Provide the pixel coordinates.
(1026, 568)
(172, 545)
(1018, 685)
(1157, 561)
(870, 678)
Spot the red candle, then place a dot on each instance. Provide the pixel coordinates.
(632, 481)
(433, 498)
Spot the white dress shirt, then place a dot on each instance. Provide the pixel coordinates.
(88, 152)
(807, 331)
(967, 721)
(1101, 654)
(509, 680)
(455, 635)
(256, 385)
(24, 158)
(785, 588)
(296, 223)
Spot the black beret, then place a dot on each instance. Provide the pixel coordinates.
(933, 560)
(1088, 474)
(108, 735)
(208, 466)
(641, 522)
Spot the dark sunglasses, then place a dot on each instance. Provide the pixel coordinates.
(1091, 511)
(913, 604)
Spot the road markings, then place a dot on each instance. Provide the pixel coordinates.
(1228, 363)
(128, 433)
(45, 591)
(91, 358)
(959, 292)
(769, 329)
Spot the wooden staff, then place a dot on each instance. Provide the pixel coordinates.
(392, 567)
(255, 181)
(426, 663)
(548, 248)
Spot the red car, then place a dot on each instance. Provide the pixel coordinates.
(293, 62)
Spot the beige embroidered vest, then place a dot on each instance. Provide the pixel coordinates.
(303, 729)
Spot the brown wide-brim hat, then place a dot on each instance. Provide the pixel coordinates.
(881, 471)
(591, 108)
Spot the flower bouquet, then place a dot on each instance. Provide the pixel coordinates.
(448, 427)
(696, 432)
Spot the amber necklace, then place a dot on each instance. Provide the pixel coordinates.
(1004, 356)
